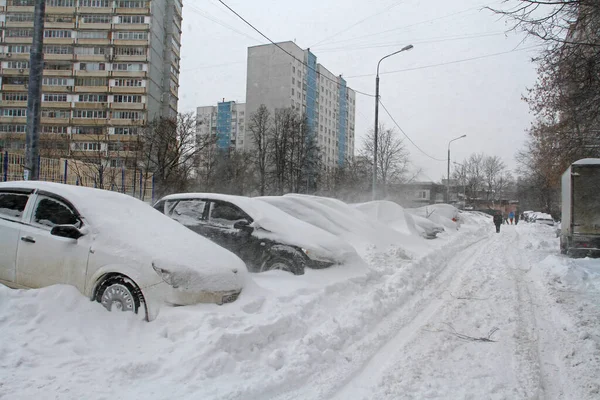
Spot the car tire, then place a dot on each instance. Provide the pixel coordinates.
(276, 262)
(119, 293)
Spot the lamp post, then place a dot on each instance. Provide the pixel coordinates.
(410, 46)
(448, 180)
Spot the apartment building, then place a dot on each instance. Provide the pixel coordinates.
(110, 66)
(278, 79)
(226, 121)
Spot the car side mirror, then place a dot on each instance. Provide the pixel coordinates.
(243, 226)
(66, 231)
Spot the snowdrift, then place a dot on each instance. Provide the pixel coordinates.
(442, 214)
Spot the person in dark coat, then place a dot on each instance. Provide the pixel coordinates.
(498, 221)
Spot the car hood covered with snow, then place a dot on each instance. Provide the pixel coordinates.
(270, 222)
(132, 230)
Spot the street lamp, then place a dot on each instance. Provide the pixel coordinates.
(410, 46)
(448, 181)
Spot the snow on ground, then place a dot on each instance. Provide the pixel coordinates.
(390, 331)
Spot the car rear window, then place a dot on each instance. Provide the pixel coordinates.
(13, 204)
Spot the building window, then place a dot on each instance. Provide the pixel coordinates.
(13, 112)
(132, 35)
(88, 146)
(60, 3)
(56, 98)
(131, 115)
(91, 51)
(18, 49)
(88, 130)
(23, 32)
(8, 96)
(130, 51)
(55, 129)
(89, 114)
(51, 81)
(95, 3)
(125, 130)
(58, 66)
(92, 81)
(17, 65)
(96, 19)
(93, 98)
(126, 98)
(13, 128)
(50, 49)
(132, 3)
(92, 66)
(128, 67)
(55, 33)
(129, 82)
(56, 114)
(19, 17)
(92, 35)
(131, 19)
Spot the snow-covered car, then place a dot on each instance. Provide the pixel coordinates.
(114, 248)
(545, 219)
(263, 236)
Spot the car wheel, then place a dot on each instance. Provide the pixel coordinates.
(119, 293)
(284, 264)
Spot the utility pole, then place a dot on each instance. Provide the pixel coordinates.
(34, 96)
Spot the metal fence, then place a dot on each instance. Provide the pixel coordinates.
(75, 172)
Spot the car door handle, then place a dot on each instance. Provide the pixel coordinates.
(28, 239)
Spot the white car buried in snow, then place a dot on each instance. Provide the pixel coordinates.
(114, 248)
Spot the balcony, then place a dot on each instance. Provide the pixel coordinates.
(124, 122)
(136, 11)
(14, 56)
(85, 73)
(89, 106)
(130, 59)
(58, 72)
(130, 42)
(98, 42)
(18, 24)
(56, 89)
(59, 25)
(20, 40)
(55, 121)
(56, 104)
(95, 26)
(16, 72)
(59, 41)
(127, 106)
(128, 74)
(95, 10)
(131, 27)
(91, 89)
(128, 89)
(10, 103)
(60, 10)
(89, 122)
(92, 57)
(13, 120)
(14, 88)
(20, 9)
(58, 57)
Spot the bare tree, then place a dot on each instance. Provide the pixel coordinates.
(259, 128)
(392, 156)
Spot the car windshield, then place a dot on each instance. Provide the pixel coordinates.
(391, 199)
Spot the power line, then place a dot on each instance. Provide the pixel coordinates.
(448, 63)
(285, 51)
(358, 23)
(432, 40)
(218, 22)
(404, 133)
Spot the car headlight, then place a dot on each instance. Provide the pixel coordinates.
(166, 276)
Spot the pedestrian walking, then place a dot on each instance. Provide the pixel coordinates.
(516, 218)
(511, 217)
(498, 221)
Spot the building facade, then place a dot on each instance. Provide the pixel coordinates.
(110, 66)
(226, 121)
(279, 80)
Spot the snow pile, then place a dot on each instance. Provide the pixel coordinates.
(272, 223)
(390, 214)
(363, 232)
(442, 214)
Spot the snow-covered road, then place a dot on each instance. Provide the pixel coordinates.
(481, 315)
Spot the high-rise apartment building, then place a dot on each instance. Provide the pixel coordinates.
(110, 66)
(226, 121)
(278, 79)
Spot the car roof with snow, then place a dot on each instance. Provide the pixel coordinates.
(130, 227)
(587, 161)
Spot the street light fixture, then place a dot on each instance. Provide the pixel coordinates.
(448, 180)
(405, 48)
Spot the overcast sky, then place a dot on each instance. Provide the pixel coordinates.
(432, 104)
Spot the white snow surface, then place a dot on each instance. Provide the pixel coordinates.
(129, 228)
(390, 214)
(441, 214)
(278, 225)
(342, 220)
(480, 316)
